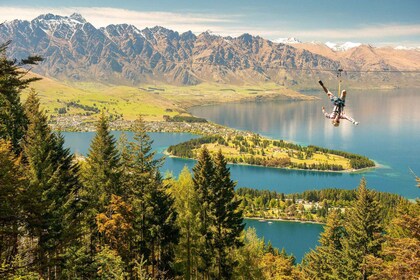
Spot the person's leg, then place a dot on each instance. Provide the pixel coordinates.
(343, 95)
(324, 88)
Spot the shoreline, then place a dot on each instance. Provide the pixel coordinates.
(281, 220)
(362, 170)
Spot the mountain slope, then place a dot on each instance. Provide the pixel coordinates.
(75, 50)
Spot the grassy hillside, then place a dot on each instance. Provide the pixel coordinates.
(86, 100)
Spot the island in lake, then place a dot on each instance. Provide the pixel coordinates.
(254, 149)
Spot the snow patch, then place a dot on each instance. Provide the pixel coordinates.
(405, 48)
(340, 47)
(289, 40)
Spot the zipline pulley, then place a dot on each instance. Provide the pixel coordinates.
(339, 71)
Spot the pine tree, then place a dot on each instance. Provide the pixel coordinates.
(325, 260)
(227, 219)
(13, 122)
(164, 232)
(101, 176)
(364, 233)
(51, 203)
(152, 204)
(139, 168)
(203, 183)
(102, 172)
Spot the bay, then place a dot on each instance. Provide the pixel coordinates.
(296, 238)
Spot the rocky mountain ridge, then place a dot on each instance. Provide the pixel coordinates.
(123, 54)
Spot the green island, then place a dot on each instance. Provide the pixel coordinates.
(256, 150)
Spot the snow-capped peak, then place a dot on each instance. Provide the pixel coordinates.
(51, 21)
(342, 46)
(290, 40)
(78, 17)
(405, 48)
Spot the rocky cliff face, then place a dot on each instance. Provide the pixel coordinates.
(74, 49)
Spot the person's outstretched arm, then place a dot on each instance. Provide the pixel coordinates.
(344, 116)
(327, 115)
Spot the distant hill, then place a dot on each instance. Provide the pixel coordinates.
(75, 50)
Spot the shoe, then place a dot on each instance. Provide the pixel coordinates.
(321, 83)
(356, 123)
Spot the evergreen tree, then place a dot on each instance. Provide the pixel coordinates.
(102, 173)
(109, 265)
(51, 204)
(139, 168)
(101, 176)
(364, 234)
(13, 122)
(164, 231)
(325, 260)
(203, 183)
(152, 204)
(227, 219)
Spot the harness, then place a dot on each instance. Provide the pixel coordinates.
(338, 105)
(338, 102)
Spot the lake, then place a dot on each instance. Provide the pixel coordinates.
(389, 133)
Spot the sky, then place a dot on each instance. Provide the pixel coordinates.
(376, 22)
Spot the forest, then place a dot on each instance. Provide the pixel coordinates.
(112, 215)
(311, 205)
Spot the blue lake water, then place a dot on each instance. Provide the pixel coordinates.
(389, 133)
(295, 238)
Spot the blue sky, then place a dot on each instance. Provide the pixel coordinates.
(378, 22)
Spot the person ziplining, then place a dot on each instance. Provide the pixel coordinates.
(338, 110)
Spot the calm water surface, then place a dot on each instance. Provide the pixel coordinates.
(296, 238)
(389, 133)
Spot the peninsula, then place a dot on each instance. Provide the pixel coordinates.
(253, 149)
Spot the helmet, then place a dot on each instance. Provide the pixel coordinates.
(336, 123)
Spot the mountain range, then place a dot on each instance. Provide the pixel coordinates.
(75, 50)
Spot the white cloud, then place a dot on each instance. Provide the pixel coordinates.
(374, 31)
(103, 16)
(221, 24)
